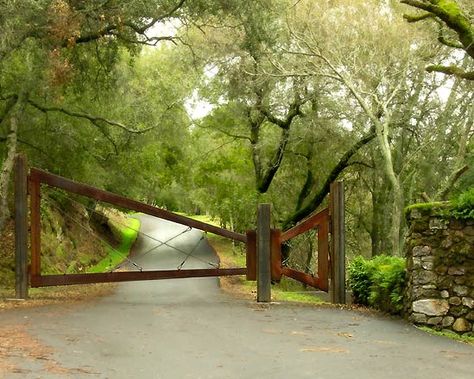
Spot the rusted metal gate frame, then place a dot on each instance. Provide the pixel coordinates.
(38, 177)
(319, 221)
(329, 224)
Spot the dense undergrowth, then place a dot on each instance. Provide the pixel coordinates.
(378, 282)
(463, 205)
(73, 240)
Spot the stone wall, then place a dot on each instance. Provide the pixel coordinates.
(440, 264)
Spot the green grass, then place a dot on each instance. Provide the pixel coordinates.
(298, 297)
(203, 218)
(127, 236)
(466, 339)
(287, 290)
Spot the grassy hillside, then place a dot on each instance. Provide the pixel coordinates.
(73, 240)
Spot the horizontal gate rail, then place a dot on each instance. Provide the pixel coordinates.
(308, 224)
(301, 277)
(127, 276)
(38, 177)
(319, 221)
(52, 180)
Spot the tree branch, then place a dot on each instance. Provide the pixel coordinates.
(416, 18)
(266, 179)
(318, 198)
(11, 101)
(26, 143)
(451, 70)
(96, 120)
(285, 123)
(443, 193)
(234, 136)
(114, 30)
(449, 12)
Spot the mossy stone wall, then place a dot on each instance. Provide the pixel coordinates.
(440, 270)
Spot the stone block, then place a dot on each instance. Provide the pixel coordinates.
(444, 283)
(427, 265)
(441, 270)
(438, 224)
(424, 277)
(415, 213)
(456, 224)
(434, 320)
(418, 318)
(431, 307)
(469, 239)
(458, 310)
(447, 243)
(424, 293)
(468, 302)
(454, 300)
(456, 271)
(469, 230)
(462, 325)
(416, 263)
(447, 321)
(470, 316)
(444, 294)
(428, 258)
(419, 251)
(460, 290)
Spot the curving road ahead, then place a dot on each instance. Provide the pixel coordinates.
(187, 328)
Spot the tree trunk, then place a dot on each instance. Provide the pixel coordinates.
(7, 168)
(460, 166)
(397, 205)
(319, 197)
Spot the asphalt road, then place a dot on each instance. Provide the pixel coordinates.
(188, 328)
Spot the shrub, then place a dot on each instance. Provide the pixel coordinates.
(378, 282)
(463, 205)
(359, 280)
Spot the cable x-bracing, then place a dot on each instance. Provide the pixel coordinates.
(160, 243)
(94, 235)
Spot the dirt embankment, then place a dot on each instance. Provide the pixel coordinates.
(73, 239)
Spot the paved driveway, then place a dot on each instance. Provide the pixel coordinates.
(188, 328)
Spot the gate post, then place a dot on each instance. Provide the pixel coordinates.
(338, 261)
(21, 227)
(264, 285)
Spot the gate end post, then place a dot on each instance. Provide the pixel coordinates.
(275, 254)
(338, 261)
(251, 255)
(21, 227)
(264, 284)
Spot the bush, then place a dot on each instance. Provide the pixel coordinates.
(378, 282)
(463, 205)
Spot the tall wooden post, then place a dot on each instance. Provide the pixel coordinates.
(338, 260)
(264, 284)
(21, 227)
(34, 189)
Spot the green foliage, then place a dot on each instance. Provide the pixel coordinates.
(463, 205)
(378, 282)
(449, 334)
(427, 206)
(359, 280)
(127, 236)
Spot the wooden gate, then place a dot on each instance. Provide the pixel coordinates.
(263, 246)
(330, 271)
(38, 178)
